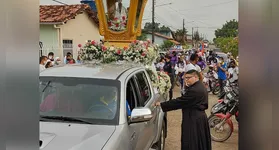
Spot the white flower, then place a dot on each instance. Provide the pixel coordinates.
(112, 48)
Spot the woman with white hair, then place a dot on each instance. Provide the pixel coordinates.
(57, 61)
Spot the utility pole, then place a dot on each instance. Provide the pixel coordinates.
(193, 36)
(183, 40)
(153, 22)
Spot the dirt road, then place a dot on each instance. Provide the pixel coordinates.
(174, 129)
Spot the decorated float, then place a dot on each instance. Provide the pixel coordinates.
(120, 24)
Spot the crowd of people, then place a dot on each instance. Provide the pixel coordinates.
(176, 64)
(188, 68)
(50, 61)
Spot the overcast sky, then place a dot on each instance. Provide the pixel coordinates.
(204, 15)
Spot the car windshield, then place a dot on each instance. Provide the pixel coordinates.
(93, 101)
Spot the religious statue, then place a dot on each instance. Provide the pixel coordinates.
(117, 16)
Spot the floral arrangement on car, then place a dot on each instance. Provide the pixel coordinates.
(159, 80)
(141, 52)
(164, 82)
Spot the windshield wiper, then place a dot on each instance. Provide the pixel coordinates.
(46, 86)
(70, 119)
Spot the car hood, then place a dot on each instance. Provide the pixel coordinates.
(66, 136)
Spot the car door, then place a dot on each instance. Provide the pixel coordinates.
(146, 97)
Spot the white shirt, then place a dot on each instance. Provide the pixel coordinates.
(193, 67)
(234, 72)
(180, 68)
(160, 65)
(42, 67)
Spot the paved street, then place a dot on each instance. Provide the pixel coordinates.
(174, 129)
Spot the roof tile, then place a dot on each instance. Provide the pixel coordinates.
(63, 13)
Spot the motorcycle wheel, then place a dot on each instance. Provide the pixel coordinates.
(221, 134)
(216, 90)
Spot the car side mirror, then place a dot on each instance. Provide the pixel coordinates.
(140, 114)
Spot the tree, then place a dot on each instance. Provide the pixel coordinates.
(142, 37)
(229, 29)
(196, 36)
(179, 35)
(164, 29)
(229, 44)
(148, 27)
(226, 37)
(158, 28)
(167, 44)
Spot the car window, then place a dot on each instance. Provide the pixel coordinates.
(131, 95)
(80, 98)
(144, 87)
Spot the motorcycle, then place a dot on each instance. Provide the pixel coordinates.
(221, 113)
(211, 80)
(217, 88)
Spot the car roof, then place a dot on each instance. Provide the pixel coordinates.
(101, 71)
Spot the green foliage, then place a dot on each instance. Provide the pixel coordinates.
(186, 46)
(148, 28)
(229, 29)
(157, 27)
(167, 44)
(226, 37)
(179, 32)
(197, 36)
(228, 44)
(164, 29)
(178, 35)
(142, 37)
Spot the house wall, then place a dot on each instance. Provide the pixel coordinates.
(80, 29)
(49, 37)
(158, 40)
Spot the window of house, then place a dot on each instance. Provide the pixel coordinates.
(144, 87)
(67, 46)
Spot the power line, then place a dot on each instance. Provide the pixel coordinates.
(158, 5)
(187, 16)
(166, 22)
(59, 2)
(212, 5)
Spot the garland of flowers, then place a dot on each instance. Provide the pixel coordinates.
(142, 52)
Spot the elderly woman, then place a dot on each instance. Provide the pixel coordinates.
(57, 61)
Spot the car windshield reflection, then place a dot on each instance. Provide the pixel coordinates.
(84, 99)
